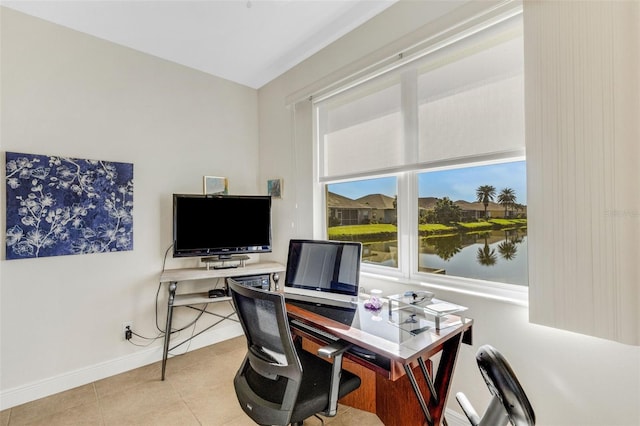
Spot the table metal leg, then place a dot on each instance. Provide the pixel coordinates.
(167, 329)
(427, 378)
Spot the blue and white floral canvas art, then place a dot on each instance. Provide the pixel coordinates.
(60, 206)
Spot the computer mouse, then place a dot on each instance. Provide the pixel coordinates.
(217, 292)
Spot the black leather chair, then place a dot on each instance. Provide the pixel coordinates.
(509, 402)
(278, 383)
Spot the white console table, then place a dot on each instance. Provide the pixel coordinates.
(174, 276)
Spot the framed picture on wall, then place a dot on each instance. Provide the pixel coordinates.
(274, 188)
(214, 185)
(58, 206)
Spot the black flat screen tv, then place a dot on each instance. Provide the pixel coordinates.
(221, 225)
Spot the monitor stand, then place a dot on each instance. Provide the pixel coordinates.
(220, 262)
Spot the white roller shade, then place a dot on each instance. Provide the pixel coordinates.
(362, 131)
(473, 104)
(464, 100)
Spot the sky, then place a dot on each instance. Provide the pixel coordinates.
(457, 184)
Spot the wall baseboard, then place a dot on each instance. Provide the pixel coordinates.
(50, 386)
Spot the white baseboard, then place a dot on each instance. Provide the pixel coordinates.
(52, 385)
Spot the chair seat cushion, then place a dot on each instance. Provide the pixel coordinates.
(313, 396)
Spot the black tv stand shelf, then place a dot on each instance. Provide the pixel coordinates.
(174, 276)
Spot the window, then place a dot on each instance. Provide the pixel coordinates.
(365, 211)
(472, 222)
(425, 164)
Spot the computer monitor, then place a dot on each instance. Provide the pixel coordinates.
(325, 269)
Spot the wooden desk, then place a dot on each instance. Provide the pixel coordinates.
(392, 362)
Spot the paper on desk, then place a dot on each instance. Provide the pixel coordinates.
(443, 307)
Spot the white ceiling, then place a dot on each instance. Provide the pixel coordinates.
(250, 42)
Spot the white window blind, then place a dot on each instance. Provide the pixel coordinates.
(363, 131)
(473, 105)
(464, 100)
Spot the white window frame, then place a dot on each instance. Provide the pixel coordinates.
(407, 219)
(407, 270)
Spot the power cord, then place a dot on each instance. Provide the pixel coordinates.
(130, 333)
(150, 339)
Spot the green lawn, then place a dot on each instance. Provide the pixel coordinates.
(509, 222)
(344, 232)
(474, 226)
(435, 228)
(384, 230)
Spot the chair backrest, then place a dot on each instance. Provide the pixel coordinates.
(504, 385)
(267, 383)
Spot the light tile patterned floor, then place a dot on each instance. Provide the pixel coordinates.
(198, 390)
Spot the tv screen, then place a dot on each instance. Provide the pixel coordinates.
(221, 225)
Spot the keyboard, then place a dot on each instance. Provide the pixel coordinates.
(320, 300)
(314, 330)
(317, 332)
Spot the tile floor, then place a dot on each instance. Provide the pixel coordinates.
(198, 390)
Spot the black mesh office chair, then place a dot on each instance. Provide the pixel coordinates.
(509, 402)
(278, 383)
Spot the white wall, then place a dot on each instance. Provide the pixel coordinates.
(65, 93)
(570, 378)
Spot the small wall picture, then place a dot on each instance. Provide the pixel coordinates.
(213, 185)
(274, 188)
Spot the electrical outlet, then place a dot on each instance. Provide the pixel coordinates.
(127, 328)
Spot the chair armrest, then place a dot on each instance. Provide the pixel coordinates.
(334, 350)
(468, 409)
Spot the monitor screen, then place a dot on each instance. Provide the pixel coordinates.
(215, 225)
(324, 266)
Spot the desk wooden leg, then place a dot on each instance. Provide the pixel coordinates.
(433, 407)
(444, 374)
(167, 329)
(396, 403)
(418, 392)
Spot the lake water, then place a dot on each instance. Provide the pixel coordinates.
(502, 259)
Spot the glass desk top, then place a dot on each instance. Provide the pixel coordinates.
(425, 302)
(397, 331)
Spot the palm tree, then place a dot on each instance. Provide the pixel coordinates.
(446, 247)
(507, 250)
(484, 194)
(507, 198)
(486, 255)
